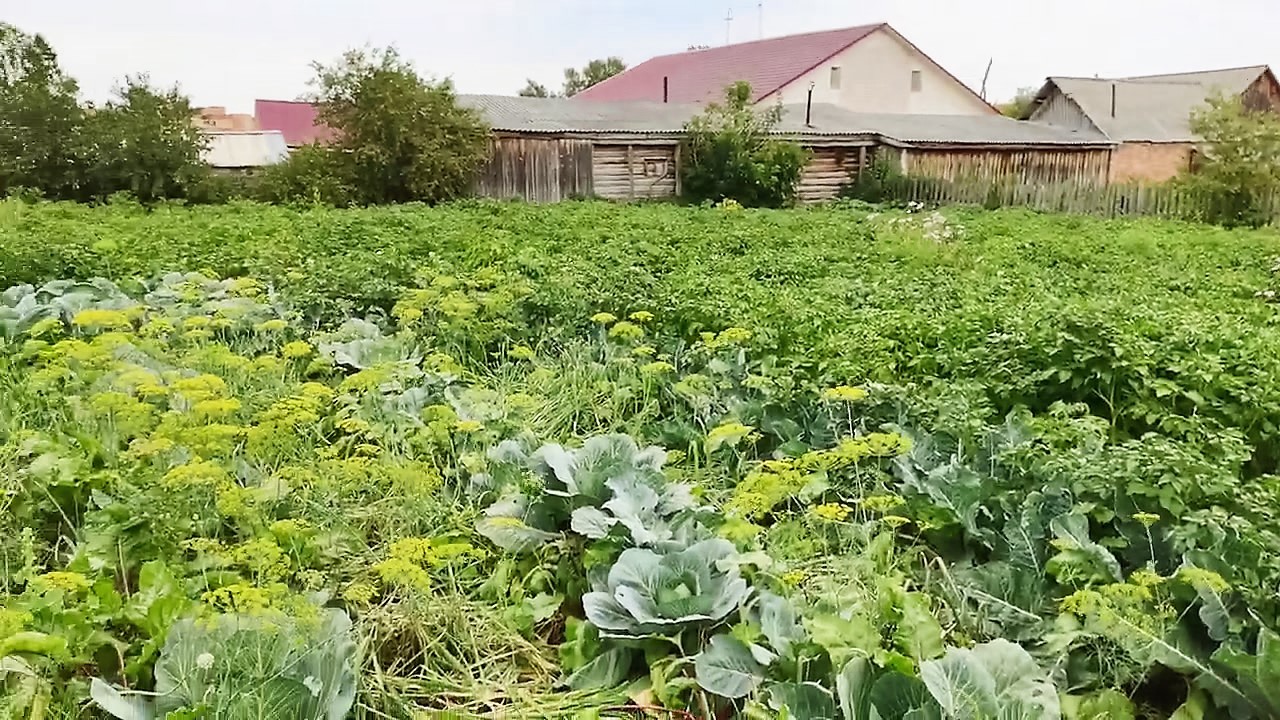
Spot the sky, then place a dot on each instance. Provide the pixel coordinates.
(231, 53)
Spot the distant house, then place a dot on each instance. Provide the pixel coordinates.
(870, 68)
(1149, 117)
(294, 119)
(217, 118)
(243, 151)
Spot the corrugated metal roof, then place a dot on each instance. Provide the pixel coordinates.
(244, 149)
(559, 115)
(296, 119)
(1151, 108)
(702, 75)
(1235, 80)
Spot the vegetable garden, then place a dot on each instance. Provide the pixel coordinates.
(592, 461)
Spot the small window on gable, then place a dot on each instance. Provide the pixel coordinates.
(917, 81)
(835, 77)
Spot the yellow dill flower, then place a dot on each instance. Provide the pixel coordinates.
(521, 352)
(1200, 578)
(730, 433)
(833, 512)
(604, 318)
(146, 447)
(881, 503)
(156, 327)
(895, 521)
(222, 323)
(242, 598)
(215, 408)
(627, 331)
(730, 336)
(675, 457)
(47, 326)
(69, 582)
(288, 528)
(1146, 577)
(296, 349)
(468, 426)
(270, 326)
(267, 363)
(657, 367)
(196, 322)
(200, 387)
(641, 316)
(99, 319)
(358, 593)
(730, 205)
(1147, 519)
(793, 578)
(197, 335)
(196, 472)
(644, 351)
(402, 573)
(844, 393)
(1082, 602)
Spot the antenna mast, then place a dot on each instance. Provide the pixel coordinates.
(728, 26)
(760, 7)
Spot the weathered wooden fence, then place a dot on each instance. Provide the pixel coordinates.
(1083, 198)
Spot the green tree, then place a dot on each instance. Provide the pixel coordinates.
(1021, 102)
(142, 141)
(400, 138)
(535, 89)
(39, 117)
(1237, 172)
(595, 72)
(729, 154)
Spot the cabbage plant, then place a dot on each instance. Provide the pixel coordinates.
(648, 593)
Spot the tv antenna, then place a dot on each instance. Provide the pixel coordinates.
(728, 26)
(760, 9)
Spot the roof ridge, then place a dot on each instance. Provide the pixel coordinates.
(1259, 67)
(869, 27)
(291, 102)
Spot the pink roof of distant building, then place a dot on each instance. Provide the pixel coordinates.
(702, 75)
(296, 120)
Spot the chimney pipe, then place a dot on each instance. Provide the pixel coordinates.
(666, 84)
(1113, 99)
(808, 108)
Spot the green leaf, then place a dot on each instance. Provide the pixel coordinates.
(607, 670)
(1079, 558)
(727, 668)
(853, 689)
(995, 679)
(512, 535)
(1103, 705)
(777, 618)
(119, 705)
(900, 697)
(919, 633)
(844, 638)
(802, 701)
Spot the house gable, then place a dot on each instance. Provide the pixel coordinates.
(1263, 93)
(1053, 107)
(884, 73)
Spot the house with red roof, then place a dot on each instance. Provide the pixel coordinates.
(869, 68)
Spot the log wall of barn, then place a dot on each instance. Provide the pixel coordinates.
(542, 170)
(634, 171)
(829, 170)
(1039, 165)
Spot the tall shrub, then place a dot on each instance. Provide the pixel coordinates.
(401, 138)
(1238, 169)
(730, 155)
(40, 119)
(143, 142)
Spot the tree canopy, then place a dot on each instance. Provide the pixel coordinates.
(577, 79)
(401, 138)
(1237, 165)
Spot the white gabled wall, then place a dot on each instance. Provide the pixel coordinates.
(875, 76)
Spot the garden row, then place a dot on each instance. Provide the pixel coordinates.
(821, 464)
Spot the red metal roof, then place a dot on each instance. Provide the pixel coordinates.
(294, 119)
(702, 75)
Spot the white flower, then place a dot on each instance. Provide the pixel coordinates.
(314, 685)
(204, 661)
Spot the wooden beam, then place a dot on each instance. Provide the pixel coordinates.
(677, 165)
(631, 171)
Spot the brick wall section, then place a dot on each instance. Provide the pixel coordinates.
(1149, 162)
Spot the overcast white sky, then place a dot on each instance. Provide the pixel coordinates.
(230, 53)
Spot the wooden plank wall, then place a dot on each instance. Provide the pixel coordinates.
(542, 170)
(634, 171)
(1051, 165)
(829, 169)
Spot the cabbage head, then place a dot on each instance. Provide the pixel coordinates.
(648, 593)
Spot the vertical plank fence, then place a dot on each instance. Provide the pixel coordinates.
(1075, 197)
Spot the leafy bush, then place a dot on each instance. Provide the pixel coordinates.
(1237, 174)
(729, 155)
(399, 138)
